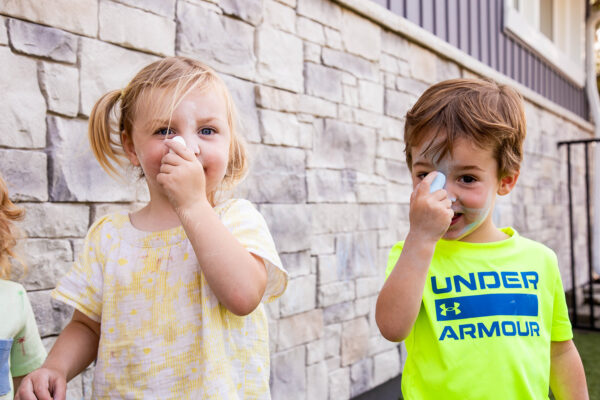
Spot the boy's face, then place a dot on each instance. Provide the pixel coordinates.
(471, 182)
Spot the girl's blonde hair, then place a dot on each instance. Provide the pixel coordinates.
(162, 83)
(9, 213)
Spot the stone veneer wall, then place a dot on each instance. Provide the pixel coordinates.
(322, 93)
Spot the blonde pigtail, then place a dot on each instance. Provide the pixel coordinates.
(101, 132)
(9, 213)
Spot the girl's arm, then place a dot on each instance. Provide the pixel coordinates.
(567, 378)
(400, 298)
(74, 350)
(237, 277)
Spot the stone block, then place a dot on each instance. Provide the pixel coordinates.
(224, 43)
(136, 29)
(42, 41)
(291, 3)
(277, 175)
(391, 149)
(360, 36)
(339, 384)
(166, 8)
(244, 98)
(335, 293)
(323, 82)
(338, 313)
(333, 38)
(326, 12)
(25, 174)
(367, 118)
(423, 64)
(399, 193)
(299, 329)
(355, 340)
(330, 218)
(360, 376)
(344, 145)
(317, 382)
(327, 269)
(316, 106)
(75, 174)
(315, 351)
(279, 128)
(386, 366)
(288, 373)
(322, 244)
(280, 16)
(409, 85)
(355, 253)
(447, 70)
(60, 86)
(398, 103)
(105, 67)
(3, 32)
(46, 261)
(370, 96)
(350, 95)
(395, 171)
(391, 128)
(368, 286)
(357, 66)
(22, 106)
(331, 186)
(77, 16)
(279, 59)
(297, 264)
(247, 10)
(51, 315)
(300, 295)
(394, 44)
(374, 216)
(310, 30)
(275, 99)
(282, 217)
(364, 306)
(332, 338)
(55, 220)
(312, 52)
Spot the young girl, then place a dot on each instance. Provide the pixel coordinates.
(21, 349)
(168, 299)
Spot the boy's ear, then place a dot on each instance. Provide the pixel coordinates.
(129, 149)
(507, 183)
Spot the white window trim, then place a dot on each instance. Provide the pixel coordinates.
(518, 27)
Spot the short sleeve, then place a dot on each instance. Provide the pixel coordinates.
(393, 258)
(561, 325)
(82, 286)
(250, 228)
(28, 352)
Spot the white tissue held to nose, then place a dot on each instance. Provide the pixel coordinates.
(438, 182)
(180, 140)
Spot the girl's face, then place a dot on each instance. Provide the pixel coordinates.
(471, 182)
(200, 118)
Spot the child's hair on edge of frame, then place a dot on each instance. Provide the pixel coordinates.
(161, 86)
(9, 214)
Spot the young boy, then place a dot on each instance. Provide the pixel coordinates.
(482, 309)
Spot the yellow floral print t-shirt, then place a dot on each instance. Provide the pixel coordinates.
(164, 334)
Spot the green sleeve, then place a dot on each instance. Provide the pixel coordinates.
(393, 258)
(28, 352)
(561, 325)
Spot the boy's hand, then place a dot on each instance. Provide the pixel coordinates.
(430, 213)
(43, 384)
(182, 176)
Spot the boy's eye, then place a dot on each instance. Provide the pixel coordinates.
(165, 131)
(207, 131)
(467, 179)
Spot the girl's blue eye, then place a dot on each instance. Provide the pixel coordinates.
(207, 131)
(165, 131)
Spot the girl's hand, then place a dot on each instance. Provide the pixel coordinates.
(43, 384)
(430, 213)
(182, 176)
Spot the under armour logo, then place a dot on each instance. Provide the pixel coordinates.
(454, 308)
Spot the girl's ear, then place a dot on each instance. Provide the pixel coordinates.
(507, 183)
(129, 149)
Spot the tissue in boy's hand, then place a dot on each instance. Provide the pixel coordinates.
(438, 182)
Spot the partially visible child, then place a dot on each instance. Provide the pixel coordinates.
(168, 299)
(482, 310)
(21, 349)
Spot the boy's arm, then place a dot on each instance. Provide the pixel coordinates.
(400, 298)
(567, 378)
(74, 350)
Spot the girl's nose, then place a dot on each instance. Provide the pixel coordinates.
(193, 143)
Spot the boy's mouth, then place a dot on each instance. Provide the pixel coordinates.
(455, 218)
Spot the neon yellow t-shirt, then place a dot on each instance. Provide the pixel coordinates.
(163, 332)
(489, 313)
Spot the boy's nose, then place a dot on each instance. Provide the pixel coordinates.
(451, 191)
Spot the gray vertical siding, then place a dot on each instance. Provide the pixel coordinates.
(475, 27)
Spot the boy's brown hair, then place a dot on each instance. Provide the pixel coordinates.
(487, 113)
